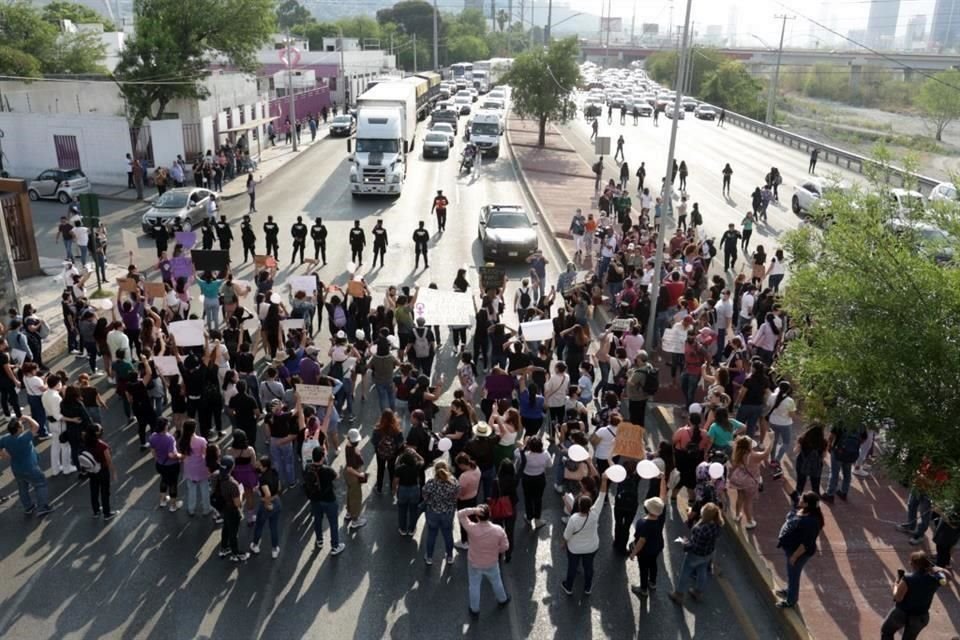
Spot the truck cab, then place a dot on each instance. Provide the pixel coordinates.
(379, 158)
(485, 130)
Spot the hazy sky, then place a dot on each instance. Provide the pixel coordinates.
(757, 16)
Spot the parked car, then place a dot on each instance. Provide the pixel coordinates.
(815, 192)
(507, 232)
(907, 201)
(670, 110)
(688, 104)
(446, 129)
(644, 109)
(928, 239)
(188, 205)
(705, 112)
(343, 125)
(944, 192)
(436, 144)
(59, 184)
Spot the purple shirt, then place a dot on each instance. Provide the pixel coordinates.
(164, 444)
(309, 371)
(499, 387)
(195, 465)
(131, 319)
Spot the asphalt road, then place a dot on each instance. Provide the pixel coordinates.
(152, 574)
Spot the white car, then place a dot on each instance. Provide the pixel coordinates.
(705, 112)
(60, 184)
(670, 110)
(436, 144)
(446, 129)
(944, 192)
(497, 94)
(474, 94)
(809, 195)
(462, 104)
(906, 201)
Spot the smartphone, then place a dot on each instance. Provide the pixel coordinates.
(900, 574)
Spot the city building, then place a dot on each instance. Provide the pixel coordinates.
(945, 26)
(882, 23)
(733, 18)
(916, 32)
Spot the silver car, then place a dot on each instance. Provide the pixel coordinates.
(506, 232)
(60, 184)
(186, 205)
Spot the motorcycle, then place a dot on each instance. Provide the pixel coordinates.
(466, 165)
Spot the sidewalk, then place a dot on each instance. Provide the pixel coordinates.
(846, 588)
(271, 159)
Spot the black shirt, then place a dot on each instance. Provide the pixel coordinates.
(421, 237)
(379, 237)
(921, 587)
(271, 481)
(729, 240)
(271, 229)
(318, 232)
(357, 237)
(245, 409)
(652, 532)
(280, 424)
(299, 231)
(407, 473)
(223, 232)
(246, 232)
(325, 479)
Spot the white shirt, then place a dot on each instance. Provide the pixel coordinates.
(776, 267)
(781, 415)
(609, 247)
(633, 344)
(117, 339)
(555, 390)
(51, 403)
(646, 202)
(724, 310)
(211, 208)
(81, 235)
(581, 531)
(604, 448)
(746, 305)
(34, 385)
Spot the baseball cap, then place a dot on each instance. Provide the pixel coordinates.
(353, 436)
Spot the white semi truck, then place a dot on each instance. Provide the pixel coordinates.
(386, 127)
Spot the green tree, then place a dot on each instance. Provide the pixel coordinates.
(415, 17)
(467, 48)
(169, 59)
(291, 13)
(662, 66)
(315, 32)
(542, 82)
(879, 338)
(939, 100)
(361, 27)
(23, 29)
(18, 63)
(76, 13)
(732, 87)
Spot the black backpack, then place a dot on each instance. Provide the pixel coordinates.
(651, 383)
(847, 446)
(311, 483)
(525, 300)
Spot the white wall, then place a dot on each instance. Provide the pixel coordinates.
(102, 141)
(206, 128)
(84, 98)
(167, 138)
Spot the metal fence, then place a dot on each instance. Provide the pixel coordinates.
(17, 231)
(192, 140)
(896, 176)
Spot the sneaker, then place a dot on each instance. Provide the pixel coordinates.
(427, 561)
(781, 593)
(567, 590)
(505, 602)
(653, 585)
(175, 504)
(861, 472)
(347, 517)
(318, 545)
(914, 540)
(337, 550)
(43, 437)
(587, 592)
(275, 553)
(402, 532)
(111, 515)
(643, 593)
(463, 546)
(750, 525)
(239, 557)
(906, 527)
(254, 548)
(164, 501)
(450, 559)
(29, 510)
(217, 519)
(42, 511)
(96, 514)
(223, 553)
(867, 466)
(359, 522)
(783, 604)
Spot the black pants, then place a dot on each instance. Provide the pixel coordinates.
(508, 526)
(210, 412)
(320, 250)
(683, 182)
(273, 248)
(169, 478)
(253, 201)
(100, 491)
(812, 167)
(378, 251)
(726, 184)
(648, 571)
(249, 250)
(745, 240)
(356, 254)
(423, 251)
(802, 482)
(637, 410)
(230, 533)
(441, 219)
(533, 487)
(145, 422)
(9, 401)
(297, 246)
(130, 184)
(459, 336)
(388, 465)
(623, 515)
(729, 259)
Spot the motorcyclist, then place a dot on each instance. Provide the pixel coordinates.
(469, 156)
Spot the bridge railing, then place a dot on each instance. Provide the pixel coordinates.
(895, 176)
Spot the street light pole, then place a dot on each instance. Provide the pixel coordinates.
(292, 105)
(772, 98)
(667, 193)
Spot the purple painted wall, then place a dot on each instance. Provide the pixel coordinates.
(311, 101)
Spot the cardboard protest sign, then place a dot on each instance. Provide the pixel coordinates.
(491, 277)
(265, 262)
(307, 284)
(622, 324)
(317, 395)
(292, 323)
(673, 340)
(355, 289)
(629, 441)
(154, 289)
(187, 333)
(127, 284)
(166, 365)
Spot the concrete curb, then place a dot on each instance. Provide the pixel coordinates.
(758, 568)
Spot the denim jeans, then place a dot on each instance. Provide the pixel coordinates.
(330, 510)
(408, 501)
(835, 468)
(68, 245)
(694, 568)
(83, 255)
(386, 396)
(688, 384)
(487, 476)
(918, 512)
(345, 394)
(272, 518)
(439, 523)
(282, 456)
(211, 313)
(781, 439)
(573, 563)
(793, 576)
(474, 580)
(36, 479)
(749, 414)
(38, 413)
(195, 489)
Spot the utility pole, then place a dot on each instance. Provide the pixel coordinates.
(633, 24)
(666, 197)
(532, 39)
(436, 43)
(609, 20)
(691, 60)
(546, 32)
(772, 98)
(415, 52)
(292, 105)
(523, 13)
(343, 72)
(510, 27)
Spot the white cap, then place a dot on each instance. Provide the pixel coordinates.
(353, 436)
(695, 408)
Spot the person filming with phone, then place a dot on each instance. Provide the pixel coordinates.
(912, 595)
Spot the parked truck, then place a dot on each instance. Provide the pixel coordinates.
(386, 129)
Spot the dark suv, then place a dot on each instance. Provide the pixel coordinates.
(445, 115)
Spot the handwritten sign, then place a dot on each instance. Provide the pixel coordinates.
(265, 262)
(154, 289)
(317, 395)
(629, 441)
(491, 277)
(166, 365)
(673, 340)
(186, 238)
(307, 284)
(537, 330)
(127, 284)
(622, 324)
(181, 267)
(446, 308)
(355, 289)
(187, 333)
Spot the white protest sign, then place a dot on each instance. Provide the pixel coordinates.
(166, 365)
(622, 324)
(307, 284)
(17, 356)
(537, 330)
(292, 323)
(187, 333)
(446, 308)
(673, 340)
(251, 325)
(314, 394)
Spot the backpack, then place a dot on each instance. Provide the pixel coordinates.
(651, 383)
(596, 167)
(847, 446)
(693, 446)
(311, 482)
(387, 448)
(421, 346)
(88, 464)
(339, 317)
(216, 497)
(525, 300)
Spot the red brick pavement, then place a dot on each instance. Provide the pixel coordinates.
(845, 590)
